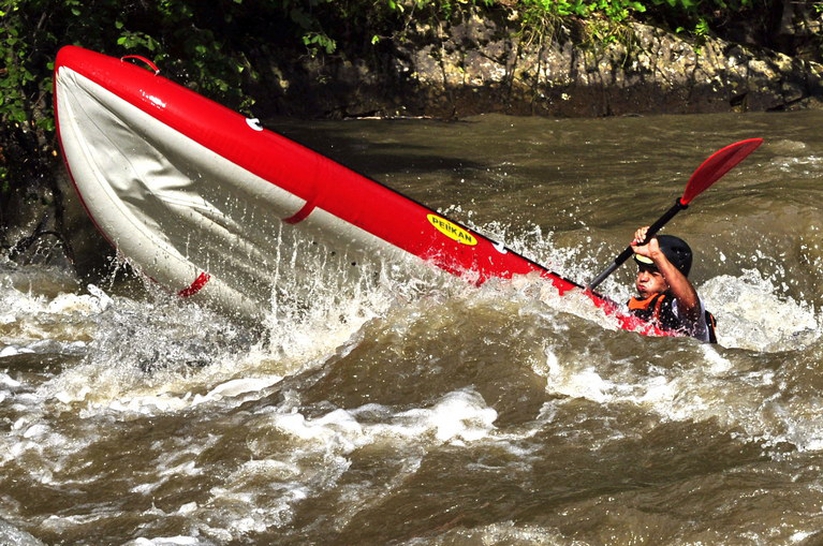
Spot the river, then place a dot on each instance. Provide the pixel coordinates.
(424, 411)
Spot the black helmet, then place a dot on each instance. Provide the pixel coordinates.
(675, 249)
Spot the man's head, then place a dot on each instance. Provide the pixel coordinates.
(675, 249)
(649, 280)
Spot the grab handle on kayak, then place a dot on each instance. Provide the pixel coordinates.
(143, 59)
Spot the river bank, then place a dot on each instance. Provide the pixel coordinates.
(477, 64)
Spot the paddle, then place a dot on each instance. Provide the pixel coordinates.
(709, 172)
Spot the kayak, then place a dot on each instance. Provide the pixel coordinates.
(198, 197)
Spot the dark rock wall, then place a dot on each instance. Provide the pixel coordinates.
(481, 65)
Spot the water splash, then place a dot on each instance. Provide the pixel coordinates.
(753, 314)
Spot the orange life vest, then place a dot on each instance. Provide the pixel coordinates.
(659, 309)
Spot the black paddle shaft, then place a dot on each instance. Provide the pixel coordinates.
(627, 253)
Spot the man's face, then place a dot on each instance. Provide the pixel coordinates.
(649, 282)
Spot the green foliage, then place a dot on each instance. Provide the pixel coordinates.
(613, 10)
(696, 6)
(313, 35)
(603, 20)
(25, 85)
(188, 39)
(697, 15)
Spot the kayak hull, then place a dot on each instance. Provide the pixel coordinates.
(200, 198)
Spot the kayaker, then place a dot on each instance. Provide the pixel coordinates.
(666, 297)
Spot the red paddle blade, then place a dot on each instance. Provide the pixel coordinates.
(718, 164)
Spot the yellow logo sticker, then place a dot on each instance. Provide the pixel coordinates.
(451, 230)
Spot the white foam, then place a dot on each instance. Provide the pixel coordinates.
(7, 381)
(167, 541)
(234, 390)
(292, 474)
(459, 417)
(752, 316)
(236, 387)
(585, 383)
(12, 350)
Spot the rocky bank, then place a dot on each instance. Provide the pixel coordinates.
(481, 64)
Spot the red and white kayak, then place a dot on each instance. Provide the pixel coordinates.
(195, 195)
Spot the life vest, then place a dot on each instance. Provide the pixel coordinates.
(659, 309)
